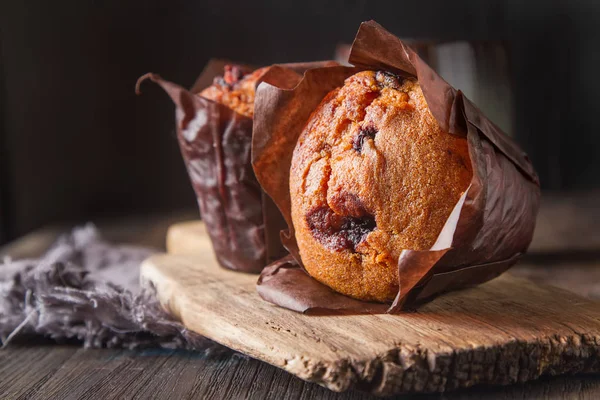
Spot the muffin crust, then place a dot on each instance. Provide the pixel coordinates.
(235, 89)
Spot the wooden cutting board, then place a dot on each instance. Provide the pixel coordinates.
(505, 331)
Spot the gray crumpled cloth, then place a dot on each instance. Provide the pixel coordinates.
(86, 289)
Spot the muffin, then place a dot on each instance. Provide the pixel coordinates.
(394, 189)
(214, 130)
(372, 174)
(235, 89)
(214, 122)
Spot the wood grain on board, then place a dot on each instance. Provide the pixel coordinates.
(508, 330)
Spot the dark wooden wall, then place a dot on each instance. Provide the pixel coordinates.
(76, 143)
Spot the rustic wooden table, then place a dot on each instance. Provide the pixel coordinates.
(565, 252)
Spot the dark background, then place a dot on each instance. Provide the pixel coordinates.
(76, 143)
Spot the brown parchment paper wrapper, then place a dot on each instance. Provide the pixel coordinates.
(215, 142)
(490, 227)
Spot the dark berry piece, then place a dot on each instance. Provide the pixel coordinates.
(338, 232)
(388, 79)
(365, 133)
